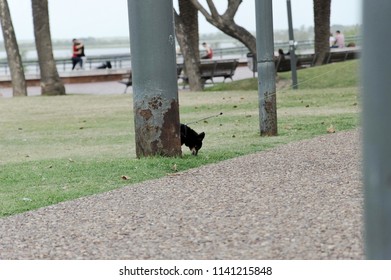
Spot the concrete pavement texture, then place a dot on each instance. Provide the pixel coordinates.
(302, 200)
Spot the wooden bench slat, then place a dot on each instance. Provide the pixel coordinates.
(210, 69)
(127, 81)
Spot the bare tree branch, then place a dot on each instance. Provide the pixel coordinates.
(226, 22)
(203, 11)
(213, 10)
(233, 6)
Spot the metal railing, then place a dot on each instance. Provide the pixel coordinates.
(117, 61)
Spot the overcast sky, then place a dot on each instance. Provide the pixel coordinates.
(109, 18)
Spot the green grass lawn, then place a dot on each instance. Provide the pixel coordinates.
(334, 75)
(54, 149)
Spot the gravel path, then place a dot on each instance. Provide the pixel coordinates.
(299, 201)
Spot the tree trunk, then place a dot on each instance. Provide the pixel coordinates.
(322, 29)
(189, 16)
(51, 83)
(11, 45)
(186, 25)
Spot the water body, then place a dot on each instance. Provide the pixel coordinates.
(94, 51)
(67, 53)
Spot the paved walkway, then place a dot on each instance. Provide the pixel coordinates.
(298, 201)
(242, 72)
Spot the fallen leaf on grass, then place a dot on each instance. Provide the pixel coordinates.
(331, 129)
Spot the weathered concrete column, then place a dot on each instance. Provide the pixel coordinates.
(266, 68)
(155, 89)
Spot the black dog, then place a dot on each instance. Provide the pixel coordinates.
(191, 139)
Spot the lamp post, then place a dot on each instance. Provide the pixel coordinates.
(266, 68)
(376, 133)
(155, 88)
(292, 46)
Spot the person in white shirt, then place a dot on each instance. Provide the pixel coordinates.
(339, 40)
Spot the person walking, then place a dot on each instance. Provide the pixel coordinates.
(76, 53)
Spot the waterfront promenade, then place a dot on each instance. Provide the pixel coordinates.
(113, 87)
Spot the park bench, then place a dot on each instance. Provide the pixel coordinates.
(332, 57)
(306, 60)
(225, 69)
(210, 69)
(284, 65)
(127, 80)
